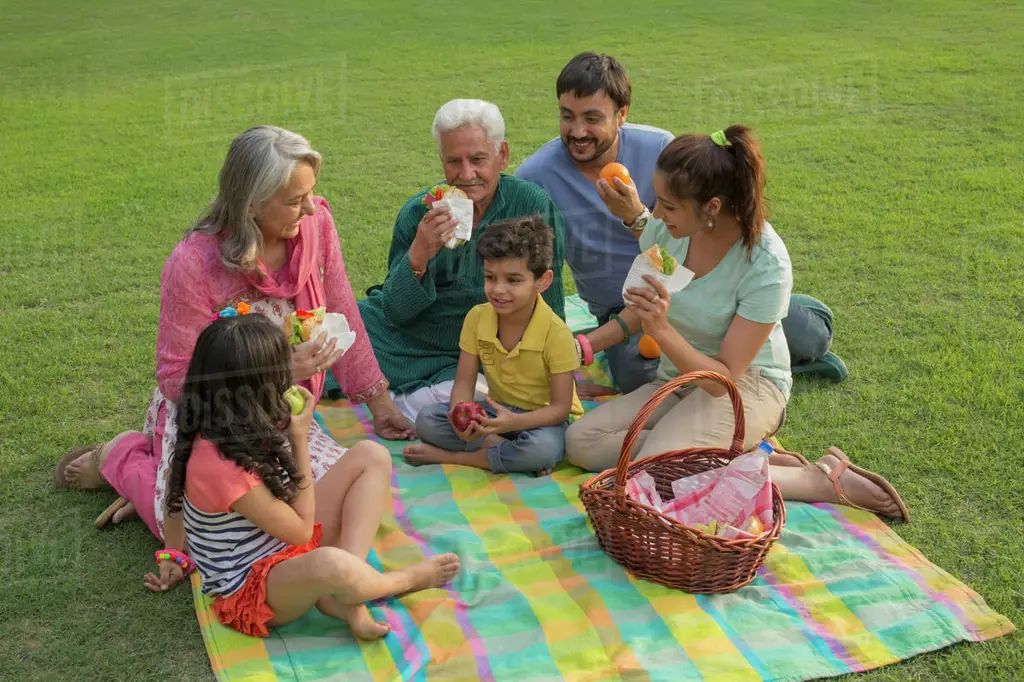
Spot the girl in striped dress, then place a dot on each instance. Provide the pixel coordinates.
(267, 542)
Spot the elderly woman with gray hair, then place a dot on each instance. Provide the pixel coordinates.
(266, 244)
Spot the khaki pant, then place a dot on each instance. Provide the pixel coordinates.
(688, 418)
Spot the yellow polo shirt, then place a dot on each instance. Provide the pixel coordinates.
(521, 377)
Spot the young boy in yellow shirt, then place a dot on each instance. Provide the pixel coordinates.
(527, 354)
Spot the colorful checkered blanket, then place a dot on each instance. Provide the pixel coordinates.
(538, 600)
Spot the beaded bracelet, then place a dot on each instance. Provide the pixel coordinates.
(187, 565)
(622, 323)
(584, 350)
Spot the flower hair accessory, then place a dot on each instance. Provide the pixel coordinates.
(718, 137)
(242, 308)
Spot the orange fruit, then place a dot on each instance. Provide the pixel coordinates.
(615, 170)
(649, 347)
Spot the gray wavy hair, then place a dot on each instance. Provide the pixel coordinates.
(259, 162)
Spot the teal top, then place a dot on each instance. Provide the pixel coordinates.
(414, 324)
(756, 288)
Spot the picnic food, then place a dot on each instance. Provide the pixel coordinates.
(615, 170)
(660, 259)
(295, 400)
(464, 414)
(300, 325)
(459, 204)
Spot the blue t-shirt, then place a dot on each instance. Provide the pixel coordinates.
(756, 287)
(598, 249)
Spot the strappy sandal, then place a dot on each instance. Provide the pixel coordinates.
(801, 461)
(834, 473)
(94, 450)
(104, 519)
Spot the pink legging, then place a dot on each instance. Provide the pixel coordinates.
(131, 468)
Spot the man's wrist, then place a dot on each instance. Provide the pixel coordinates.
(639, 221)
(416, 261)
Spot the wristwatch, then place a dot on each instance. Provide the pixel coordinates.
(640, 223)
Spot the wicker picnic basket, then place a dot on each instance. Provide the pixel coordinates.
(658, 548)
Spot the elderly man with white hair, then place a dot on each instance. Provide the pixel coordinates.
(414, 318)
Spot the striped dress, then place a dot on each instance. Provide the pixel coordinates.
(225, 545)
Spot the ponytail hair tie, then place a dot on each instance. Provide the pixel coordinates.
(718, 137)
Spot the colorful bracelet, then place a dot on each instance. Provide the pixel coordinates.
(187, 565)
(622, 323)
(586, 351)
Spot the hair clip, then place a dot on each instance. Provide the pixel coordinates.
(242, 308)
(718, 137)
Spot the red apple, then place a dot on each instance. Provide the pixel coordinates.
(464, 414)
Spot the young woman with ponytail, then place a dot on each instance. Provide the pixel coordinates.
(711, 215)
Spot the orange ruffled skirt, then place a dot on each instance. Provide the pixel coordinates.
(246, 610)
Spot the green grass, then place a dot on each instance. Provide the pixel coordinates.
(895, 152)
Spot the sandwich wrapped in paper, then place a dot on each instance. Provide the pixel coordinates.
(659, 263)
(459, 205)
(305, 326)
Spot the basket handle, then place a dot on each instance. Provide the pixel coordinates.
(738, 435)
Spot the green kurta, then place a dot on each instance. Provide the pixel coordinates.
(414, 324)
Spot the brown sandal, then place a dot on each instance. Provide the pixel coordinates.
(782, 453)
(103, 519)
(93, 451)
(844, 464)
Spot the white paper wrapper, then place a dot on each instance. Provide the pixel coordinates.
(462, 213)
(336, 327)
(677, 281)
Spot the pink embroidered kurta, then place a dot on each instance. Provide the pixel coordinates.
(195, 285)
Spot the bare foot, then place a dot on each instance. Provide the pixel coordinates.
(543, 472)
(862, 492)
(123, 514)
(83, 472)
(588, 390)
(433, 572)
(356, 615)
(421, 453)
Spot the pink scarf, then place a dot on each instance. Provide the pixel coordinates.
(302, 284)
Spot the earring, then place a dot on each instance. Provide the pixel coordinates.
(711, 224)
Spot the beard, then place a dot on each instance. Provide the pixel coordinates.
(599, 147)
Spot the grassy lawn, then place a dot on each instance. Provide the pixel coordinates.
(895, 153)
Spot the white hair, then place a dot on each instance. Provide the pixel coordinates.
(259, 163)
(460, 113)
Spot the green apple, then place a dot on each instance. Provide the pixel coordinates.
(295, 399)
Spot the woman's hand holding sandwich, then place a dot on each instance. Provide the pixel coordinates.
(314, 358)
(650, 304)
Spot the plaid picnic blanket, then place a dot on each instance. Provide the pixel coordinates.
(538, 600)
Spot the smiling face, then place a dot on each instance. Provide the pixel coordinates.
(279, 218)
(589, 126)
(511, 287)
(471, 162)
(683, 217)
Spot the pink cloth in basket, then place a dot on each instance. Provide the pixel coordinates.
(728, 495)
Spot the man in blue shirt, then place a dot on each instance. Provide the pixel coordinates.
(593, 101)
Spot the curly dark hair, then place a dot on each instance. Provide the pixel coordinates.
(233, 396)
(528, 238)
